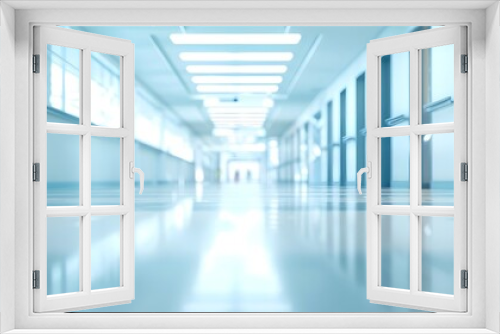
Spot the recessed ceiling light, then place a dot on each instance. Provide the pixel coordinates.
(243, 121)
(240, 101)
(236, 56)
(215, 79)
(230, 132)
(236, 118)
(246, 69)
(237, 89)
(232, 126)
(253, 39)
(241, 110)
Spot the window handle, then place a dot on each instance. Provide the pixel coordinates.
(368, 171)
(132, 171)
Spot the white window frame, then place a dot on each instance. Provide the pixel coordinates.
(484, 267)
(86, 43)
(413, 44)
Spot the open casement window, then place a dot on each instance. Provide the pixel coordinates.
(416, 189)
(83, 235)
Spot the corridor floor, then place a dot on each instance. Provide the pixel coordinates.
(250, 248)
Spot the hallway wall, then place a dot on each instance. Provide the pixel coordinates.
(345, 83)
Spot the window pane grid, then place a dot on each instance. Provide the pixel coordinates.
(85, 131)
(416, 131)
(444, 106)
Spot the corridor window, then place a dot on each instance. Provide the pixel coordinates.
(415, 175)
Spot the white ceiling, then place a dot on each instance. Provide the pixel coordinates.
(321, 55)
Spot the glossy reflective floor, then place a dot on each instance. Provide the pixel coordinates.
(250, 248)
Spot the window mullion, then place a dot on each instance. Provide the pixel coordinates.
(414, 173)
(85, 180)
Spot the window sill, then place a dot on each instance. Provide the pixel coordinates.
(248, 331)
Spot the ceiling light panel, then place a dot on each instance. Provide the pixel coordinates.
(237, 79)
(239, 118)
(233, 126)
(236, 39)
(239, 115)
(225, 132)
(237, 89)
(236, 69)
(236, 56)
(239, 121)
(248, 101)
(241, 110)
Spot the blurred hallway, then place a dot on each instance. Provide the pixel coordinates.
(250, 202)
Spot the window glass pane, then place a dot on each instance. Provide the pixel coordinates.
(437, 254)
(395, 89)
(63, 255)
(63, 84)
(63, 170)
(437, 84)
(437, 169)
(105, 170)
(105, 90)
(105, 252)
(395, 249)
(395, 170)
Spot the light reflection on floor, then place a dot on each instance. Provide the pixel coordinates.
(250, 248)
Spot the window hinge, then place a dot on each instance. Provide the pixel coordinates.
(465, 279)
(36, 172)
(36, 279)
(36, 63)
(464, 171)
(465, 64)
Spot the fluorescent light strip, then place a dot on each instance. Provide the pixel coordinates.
(238, 114)
(237, 127)
(237, 89)
(233, 119)
(260, 121)
(236, 56)
(236, 39)
(237, 124)
(215, 102)
(237, 79)
(232, 126)
(239, 120)
(236, 69)
(224, 132)
(241, 110)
